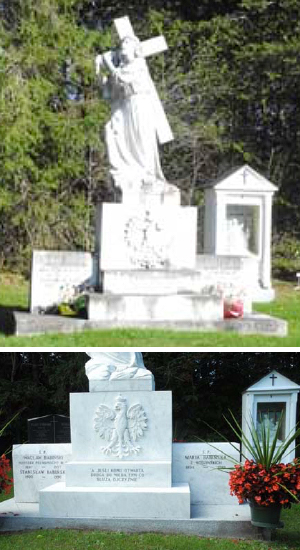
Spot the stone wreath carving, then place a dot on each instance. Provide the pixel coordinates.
(145, 239)
(120, 427)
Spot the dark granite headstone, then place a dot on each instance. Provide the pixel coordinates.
(52, 428)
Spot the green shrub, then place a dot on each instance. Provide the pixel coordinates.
(285, 257)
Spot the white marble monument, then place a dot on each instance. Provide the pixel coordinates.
(149, 232)
(271, 400)
(121, 464)
(147, 269)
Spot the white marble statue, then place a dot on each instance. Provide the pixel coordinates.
(116, 366)
(238, 237)
(137, 120)
(267, 423)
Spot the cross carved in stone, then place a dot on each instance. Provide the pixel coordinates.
(149, 47)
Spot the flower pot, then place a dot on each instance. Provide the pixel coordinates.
(233, 309)
(266, 516)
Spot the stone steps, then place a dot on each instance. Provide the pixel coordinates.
(25, 323)
(206, 521)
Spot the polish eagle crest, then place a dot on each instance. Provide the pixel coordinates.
(120, 427)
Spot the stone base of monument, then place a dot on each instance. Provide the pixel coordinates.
(206, 520)
(60, 501)
(213, 511)
(23, 323)
(169, 308)
(134, 384)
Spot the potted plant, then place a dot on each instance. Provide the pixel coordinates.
(264, 480)
(234, 299)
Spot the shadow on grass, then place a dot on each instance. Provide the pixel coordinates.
(7, 319)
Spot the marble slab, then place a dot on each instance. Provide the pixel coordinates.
(36, 466)
(60, 501)
(119, 474)
(137, 384)
(122, 309)
(197, 463)
(57, 276)
(154, 416)
(134, 237)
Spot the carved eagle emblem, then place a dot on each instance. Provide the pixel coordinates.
(120, 427)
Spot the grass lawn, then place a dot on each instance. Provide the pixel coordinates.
(14, 292)
(63, 539)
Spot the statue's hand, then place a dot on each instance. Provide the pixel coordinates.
(108, 62)
(99, 63)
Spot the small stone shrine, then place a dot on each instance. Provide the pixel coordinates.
(271, 400)
(238, 222)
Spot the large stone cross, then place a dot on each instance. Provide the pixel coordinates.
(149, 47)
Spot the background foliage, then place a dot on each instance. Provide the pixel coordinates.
(204, 385)
(230, 84)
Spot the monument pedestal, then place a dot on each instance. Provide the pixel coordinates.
(149, 308)
(121, 464)
(147, 259)
(93, 502)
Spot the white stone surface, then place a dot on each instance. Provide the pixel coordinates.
(91, 409)
(36, 466)
(58, 276)
(119, 474)
(178, 307)
(132, 384)
(134, 237)
(156, 282)
(270, 395)
(163, 503)
(197, 463)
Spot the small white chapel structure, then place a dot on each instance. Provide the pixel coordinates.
(271, 400)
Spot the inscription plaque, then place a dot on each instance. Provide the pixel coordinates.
(197, 464)
(38, 466)
(58, 276)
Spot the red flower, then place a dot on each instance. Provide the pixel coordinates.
(276, 486)
(5, 481)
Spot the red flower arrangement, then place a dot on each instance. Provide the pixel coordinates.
(280, 484)
(5, 481)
